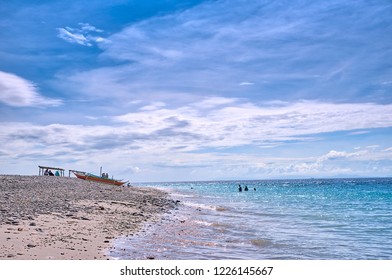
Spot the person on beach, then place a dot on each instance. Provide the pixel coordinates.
(239, 188)
(57, 173)
(46, 173)
(51, 173)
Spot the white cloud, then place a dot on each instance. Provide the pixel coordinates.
(213, 102)
(334, 155)
(373, 147)
(226, 123)
(18, 92)
(264, 59)
(85, 27)
(359, 132)
(196, 138)
(153, 106)
(246, 84)
(82, 35)
(70, 37)
(266, 52)
(335, 163)
(219, 125)
(133, 169)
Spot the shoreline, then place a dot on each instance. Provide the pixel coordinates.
(64, 218)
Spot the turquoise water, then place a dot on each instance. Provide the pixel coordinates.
(282, 219)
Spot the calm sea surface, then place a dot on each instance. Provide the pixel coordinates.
(283, 219)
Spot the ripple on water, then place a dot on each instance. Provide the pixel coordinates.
(261, 242)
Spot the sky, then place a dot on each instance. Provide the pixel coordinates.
(169, 90)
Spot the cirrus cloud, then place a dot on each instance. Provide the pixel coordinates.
(18, 92)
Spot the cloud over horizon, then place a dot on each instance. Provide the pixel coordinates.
(195, 136)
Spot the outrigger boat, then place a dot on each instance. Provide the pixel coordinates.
(92, 177)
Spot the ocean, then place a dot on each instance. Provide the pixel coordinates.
(314, 219)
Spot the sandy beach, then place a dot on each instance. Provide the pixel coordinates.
(67, 218)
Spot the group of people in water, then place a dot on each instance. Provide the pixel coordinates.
(49, 172)
(245, 188)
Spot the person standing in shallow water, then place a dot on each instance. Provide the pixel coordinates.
(239, 188)
(246, 188)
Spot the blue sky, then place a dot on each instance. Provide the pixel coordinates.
(197, 90)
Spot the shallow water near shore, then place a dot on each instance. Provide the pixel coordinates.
(282, 219)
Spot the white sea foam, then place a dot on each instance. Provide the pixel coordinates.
(199, 205)
(204, 206)
(204, 223)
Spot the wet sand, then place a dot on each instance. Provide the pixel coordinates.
(68, 218)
